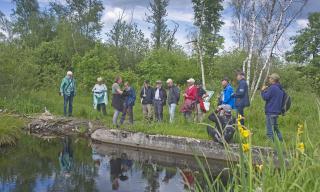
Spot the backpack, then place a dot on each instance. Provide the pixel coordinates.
(286, 103)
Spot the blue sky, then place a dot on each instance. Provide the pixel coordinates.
(179, 11)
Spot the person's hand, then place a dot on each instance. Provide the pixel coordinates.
(185, 95)
(263, 88)
(61, 94)
(233, 95)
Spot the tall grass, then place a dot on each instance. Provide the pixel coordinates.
(288, 168)
(10, 129)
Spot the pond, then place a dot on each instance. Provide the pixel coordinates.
(75, 164)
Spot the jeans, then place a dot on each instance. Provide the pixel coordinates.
(272, 127)
(115, 117)
(240, 111)
(147, 110)
(129, 110)
(158, 110)
(68, 100)
(172, 110)
(102, 107)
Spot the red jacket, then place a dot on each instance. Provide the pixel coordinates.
(192, 93)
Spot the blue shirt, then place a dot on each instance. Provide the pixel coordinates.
(227, 96)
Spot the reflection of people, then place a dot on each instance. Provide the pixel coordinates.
(170, 173)
(66, 157)
(115, 171)
(188, 179)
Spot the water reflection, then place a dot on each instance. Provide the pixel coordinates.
(68, 164)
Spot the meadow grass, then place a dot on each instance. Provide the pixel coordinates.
(10, 129)
(304, 109)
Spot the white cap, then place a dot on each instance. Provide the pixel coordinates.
(69, 73)
(99, 79)
(191, 80)
(169, 80)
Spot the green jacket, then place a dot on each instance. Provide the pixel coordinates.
(68, 86)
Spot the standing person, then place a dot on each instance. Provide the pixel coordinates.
(226, 95)
(241, 95)
(147, 95)
(129, 101)
(200, 109)
(173, 98)
(273, 96)
(160, 98)
(100, 96)
(68, 91)
(190, 96)
(117, 100)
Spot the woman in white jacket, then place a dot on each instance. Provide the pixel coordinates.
(100, 96)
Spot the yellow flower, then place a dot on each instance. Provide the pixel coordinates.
(245, 147)
(245, 133)
(259, 167)
(301, 147)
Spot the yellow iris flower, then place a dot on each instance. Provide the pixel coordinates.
(300, 129)
(245, 147)
(245, 133)
(301, 147)
(259, 167)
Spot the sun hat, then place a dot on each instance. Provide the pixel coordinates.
(191, 80)
(69, 73)
(274, 76)
(169, 80)
(99, 79)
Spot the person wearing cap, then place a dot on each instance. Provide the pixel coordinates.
(226, 95)
(273, 96)
(129, 101)
(159, 100)
(173, 98)
(68, 91)
(200, 109)
(146, 96)
(100, 96)
(117, 100)
(224, 122)
(190, 97)
(241, 95)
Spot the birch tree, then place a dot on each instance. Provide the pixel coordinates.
(262, 25)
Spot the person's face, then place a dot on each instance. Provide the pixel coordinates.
(271, 81)
(189, 84)
(126, 86)
(239, 77)
(170, 84)
(120, 81)
(224, 83)
(158, 85)
(69, 76)
(99, 82)
(145, 84)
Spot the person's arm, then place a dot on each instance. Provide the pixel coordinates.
(177, 93)
(266, 94)
(241, 90)
(192, 95)
(62, 85)
(94, 88)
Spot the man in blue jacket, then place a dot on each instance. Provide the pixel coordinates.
(273, 96)
(241, 95)
(130, 99)
(226, 95)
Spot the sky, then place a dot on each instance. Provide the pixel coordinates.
(179, 11)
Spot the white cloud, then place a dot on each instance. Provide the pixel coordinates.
(180, 16)
(302, 23)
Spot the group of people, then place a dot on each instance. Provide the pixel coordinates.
(153, 100)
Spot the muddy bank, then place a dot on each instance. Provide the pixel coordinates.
(47, 125)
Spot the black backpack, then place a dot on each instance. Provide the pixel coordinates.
(286, 103)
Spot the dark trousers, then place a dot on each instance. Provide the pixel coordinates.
(272, 127)
(240, 111)
(158, 110)
(127, 110)
(68, 100)
(102, 107)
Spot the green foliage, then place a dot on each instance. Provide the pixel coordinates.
(207, 16)
(306, 47)
(9, 129)
(162, 64)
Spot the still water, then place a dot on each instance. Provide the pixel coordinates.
(73, 164)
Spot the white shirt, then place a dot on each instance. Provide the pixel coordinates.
(157, 95)
(99, 88)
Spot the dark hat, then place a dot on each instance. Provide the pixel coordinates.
(146, 81)
(240, 73)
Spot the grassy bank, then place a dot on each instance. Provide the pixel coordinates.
(304, 109)
(10, 129)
